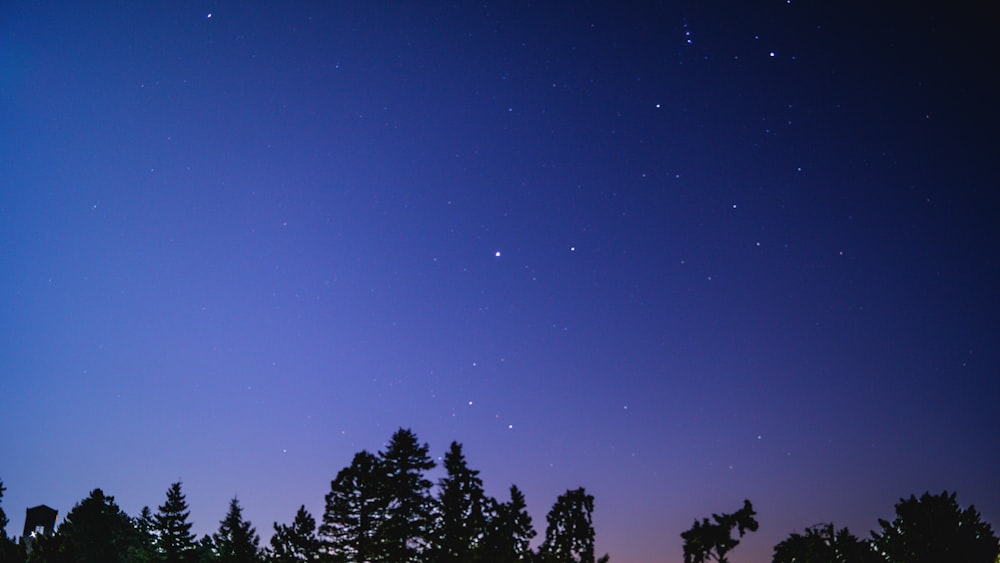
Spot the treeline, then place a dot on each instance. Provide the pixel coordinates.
(929, 529)
(382, 508)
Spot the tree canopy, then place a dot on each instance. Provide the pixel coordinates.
(707, 540)
(569, 536)
(297, 542)
(96, 530)
(383, 508)
(935, 528)
(824, 544)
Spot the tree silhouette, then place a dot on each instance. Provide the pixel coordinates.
(569, 535)
(934, 528)
(145, 529)
(9, 551)
(3, 515)
(406, 529)
(354, 510)
(461, 511)
(174, 540)
(49, 549)
(295, 543)
(706, 540)
(237, 540)
(822, 544)
(510, 532)
(95, 530)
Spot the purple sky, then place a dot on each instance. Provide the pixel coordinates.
(680, 255)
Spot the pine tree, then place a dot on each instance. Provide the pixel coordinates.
(510, 531)
(406, 530)
(355, 510)
(569, 536)
(145, 528)
(9, 551)
(174, 540)
(96, 530)
(461, 508)
(237, 540)
(295, 543)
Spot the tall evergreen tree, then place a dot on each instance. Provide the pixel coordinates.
(174, 540)
(461, 511)
(145, 528)
(355, 511)
(295, 543)
(237, 540)
(96, 530)
(510, 531)
(406, 530)
(569, 536)
(205, 550)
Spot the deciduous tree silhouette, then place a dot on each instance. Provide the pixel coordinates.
(237, 540)
(460, 515)
(822, 544)
(569, 536)
(295, 543)
(174, 540)
(706, 541)
(934, 528)
(510, 531)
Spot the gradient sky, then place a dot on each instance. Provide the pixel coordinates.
(680, 254)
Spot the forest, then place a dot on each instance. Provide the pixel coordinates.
(383, 508)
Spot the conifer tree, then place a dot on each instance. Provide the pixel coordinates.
(145, 528)
(295, 543)
(96, 530)
(569, 536)
(9, 551)
(174, 540)
(461, 510)
(407, 527)
(355, 510)
(510, 531)
(237, 540)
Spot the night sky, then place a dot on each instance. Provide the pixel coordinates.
(680, 253)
